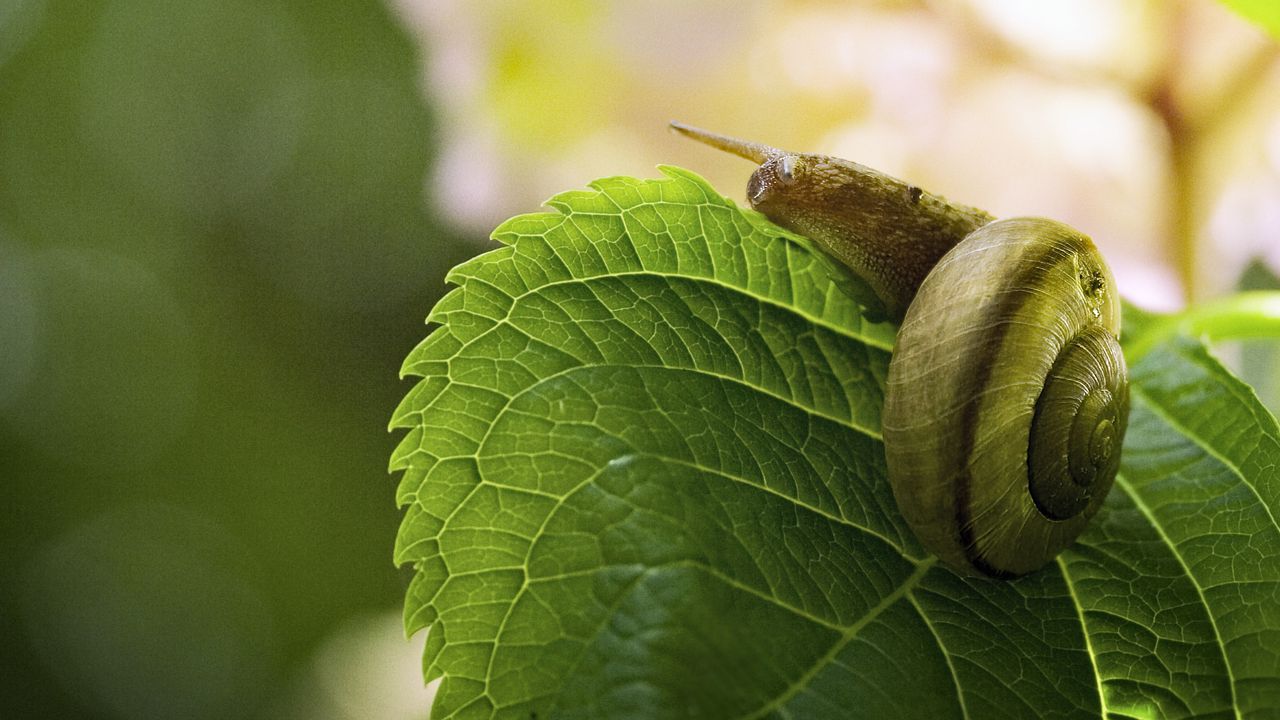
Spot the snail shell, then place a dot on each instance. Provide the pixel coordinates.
(1007, 396)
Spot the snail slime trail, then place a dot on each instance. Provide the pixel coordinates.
(994, 482)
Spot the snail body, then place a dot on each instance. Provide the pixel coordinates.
(1007, 396)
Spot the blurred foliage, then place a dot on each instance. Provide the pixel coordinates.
(1265, 13)
(1152, 126)
(213, 242)
(1259, 360)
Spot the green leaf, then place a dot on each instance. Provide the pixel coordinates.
(1244, 315)
(1179, 578)
(1264, 13)
(644, 478)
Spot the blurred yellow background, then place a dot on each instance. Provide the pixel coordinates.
(221, 224)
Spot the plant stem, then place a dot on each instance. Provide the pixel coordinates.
(1236, 317)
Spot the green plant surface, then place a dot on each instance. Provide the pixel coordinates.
(1244, 315)
(643, 477)
(1264, 13)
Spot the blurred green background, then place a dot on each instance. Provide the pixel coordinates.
(214, 252)
(222, 222)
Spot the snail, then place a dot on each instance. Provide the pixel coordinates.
(1007, 395)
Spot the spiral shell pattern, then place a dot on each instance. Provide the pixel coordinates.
(1007, 397)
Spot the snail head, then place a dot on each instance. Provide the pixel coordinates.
(776, 186)
(889, 232)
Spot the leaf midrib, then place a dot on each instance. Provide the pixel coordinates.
(885, 603)
(1123, 484)
(1084, 630)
